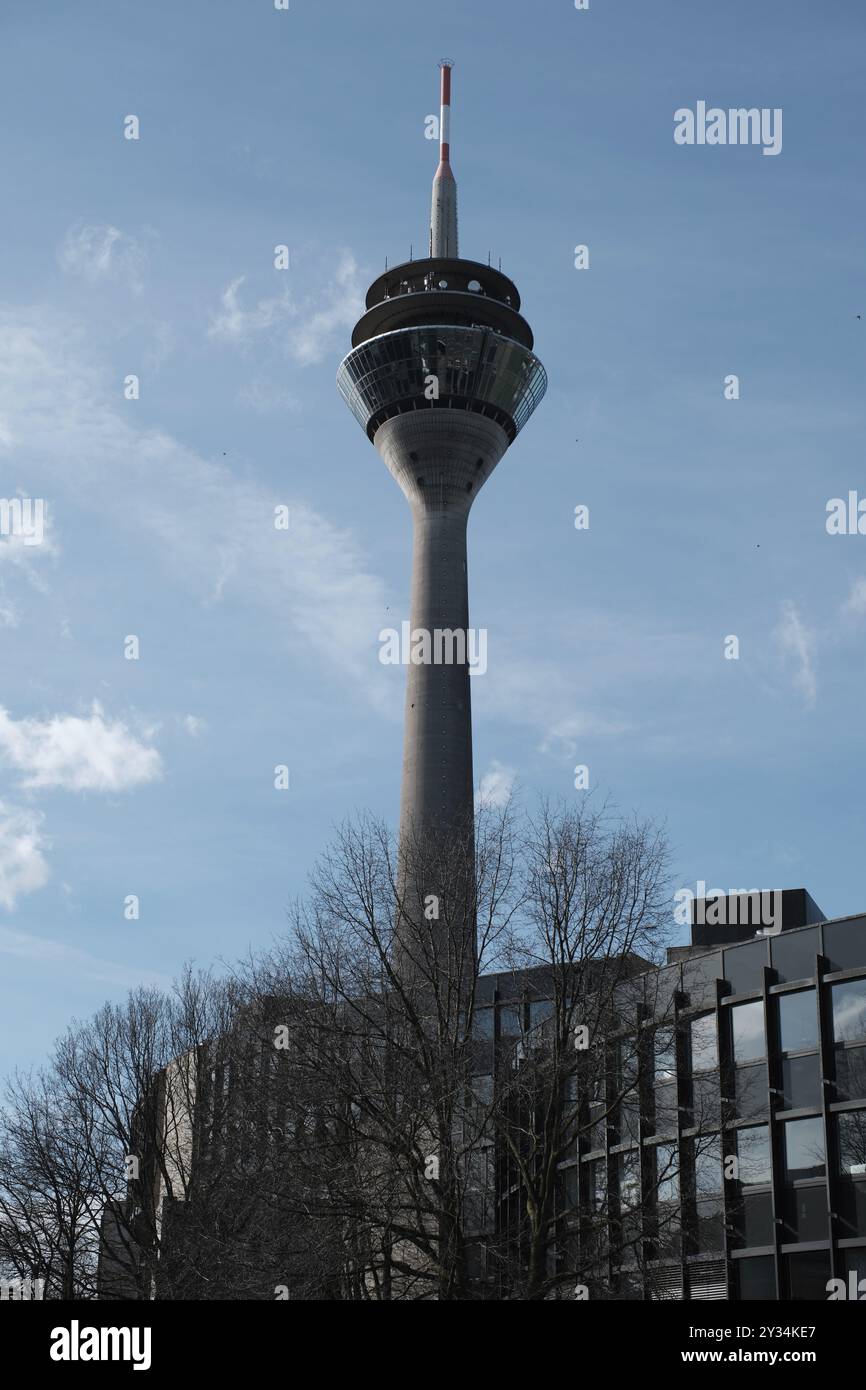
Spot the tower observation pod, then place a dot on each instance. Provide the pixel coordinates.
(442, 377)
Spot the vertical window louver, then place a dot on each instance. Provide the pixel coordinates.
(707, 1280)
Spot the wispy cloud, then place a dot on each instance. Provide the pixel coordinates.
(319, 322)
(209, 527)
(234, 324)
(23, 867)
(265, 398)
(855, 604)
(99, 251)
(10, 615)
(797, 642)
(22, 548)
(308, 327)
(69, 960)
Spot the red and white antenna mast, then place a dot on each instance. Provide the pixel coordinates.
(443, 215)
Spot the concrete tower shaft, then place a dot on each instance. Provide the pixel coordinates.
(441, 459)
(442, 377)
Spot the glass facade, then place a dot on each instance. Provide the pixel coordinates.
(743, 1123)
(477, 369)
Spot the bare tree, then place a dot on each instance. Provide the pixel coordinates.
(49, 1211)
(434, 1088)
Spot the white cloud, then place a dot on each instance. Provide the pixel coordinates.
(496, 786)
(308, 328)
(855, 604)
(77, 754)
(98, 251)
(193, 725)
(23, 868)
(798, 642)
(233, 324)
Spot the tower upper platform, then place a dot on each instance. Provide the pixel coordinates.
(443, 291)
(442, 333)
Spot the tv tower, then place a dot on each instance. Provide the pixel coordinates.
(442, 377)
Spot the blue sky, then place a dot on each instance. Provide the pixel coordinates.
(707, 516)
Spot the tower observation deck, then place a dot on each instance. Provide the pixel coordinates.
(442, 376)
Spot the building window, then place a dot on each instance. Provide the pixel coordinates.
(540, 1010)
(482, 1023)
(708, 1166)
(751, 1209)
(510, 1020)
(628, 1116)
(665, 1081)
(665, 1067)
(666, 1109)
(706, 1156)
(798, 1021)
(806, 1214)
(794, 953)
(628, 1177)
(597, 1127)
(801, 1084)
(750, 1092)
(852, 1143)
(482, 1090)
(804, 1149)
(849, 1027)
(744, 966)
(850, 1073)
(703, 1044)
(699, 979)
(753, 1219)
(569, 1192)
(849, 1011)
(754, 1167)
(709, 1230)
(843, 943)
(569, 1089)
(598, 1185)
(807, 1276)
(667, 1172)
(747, 1026)
(757, 1278)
